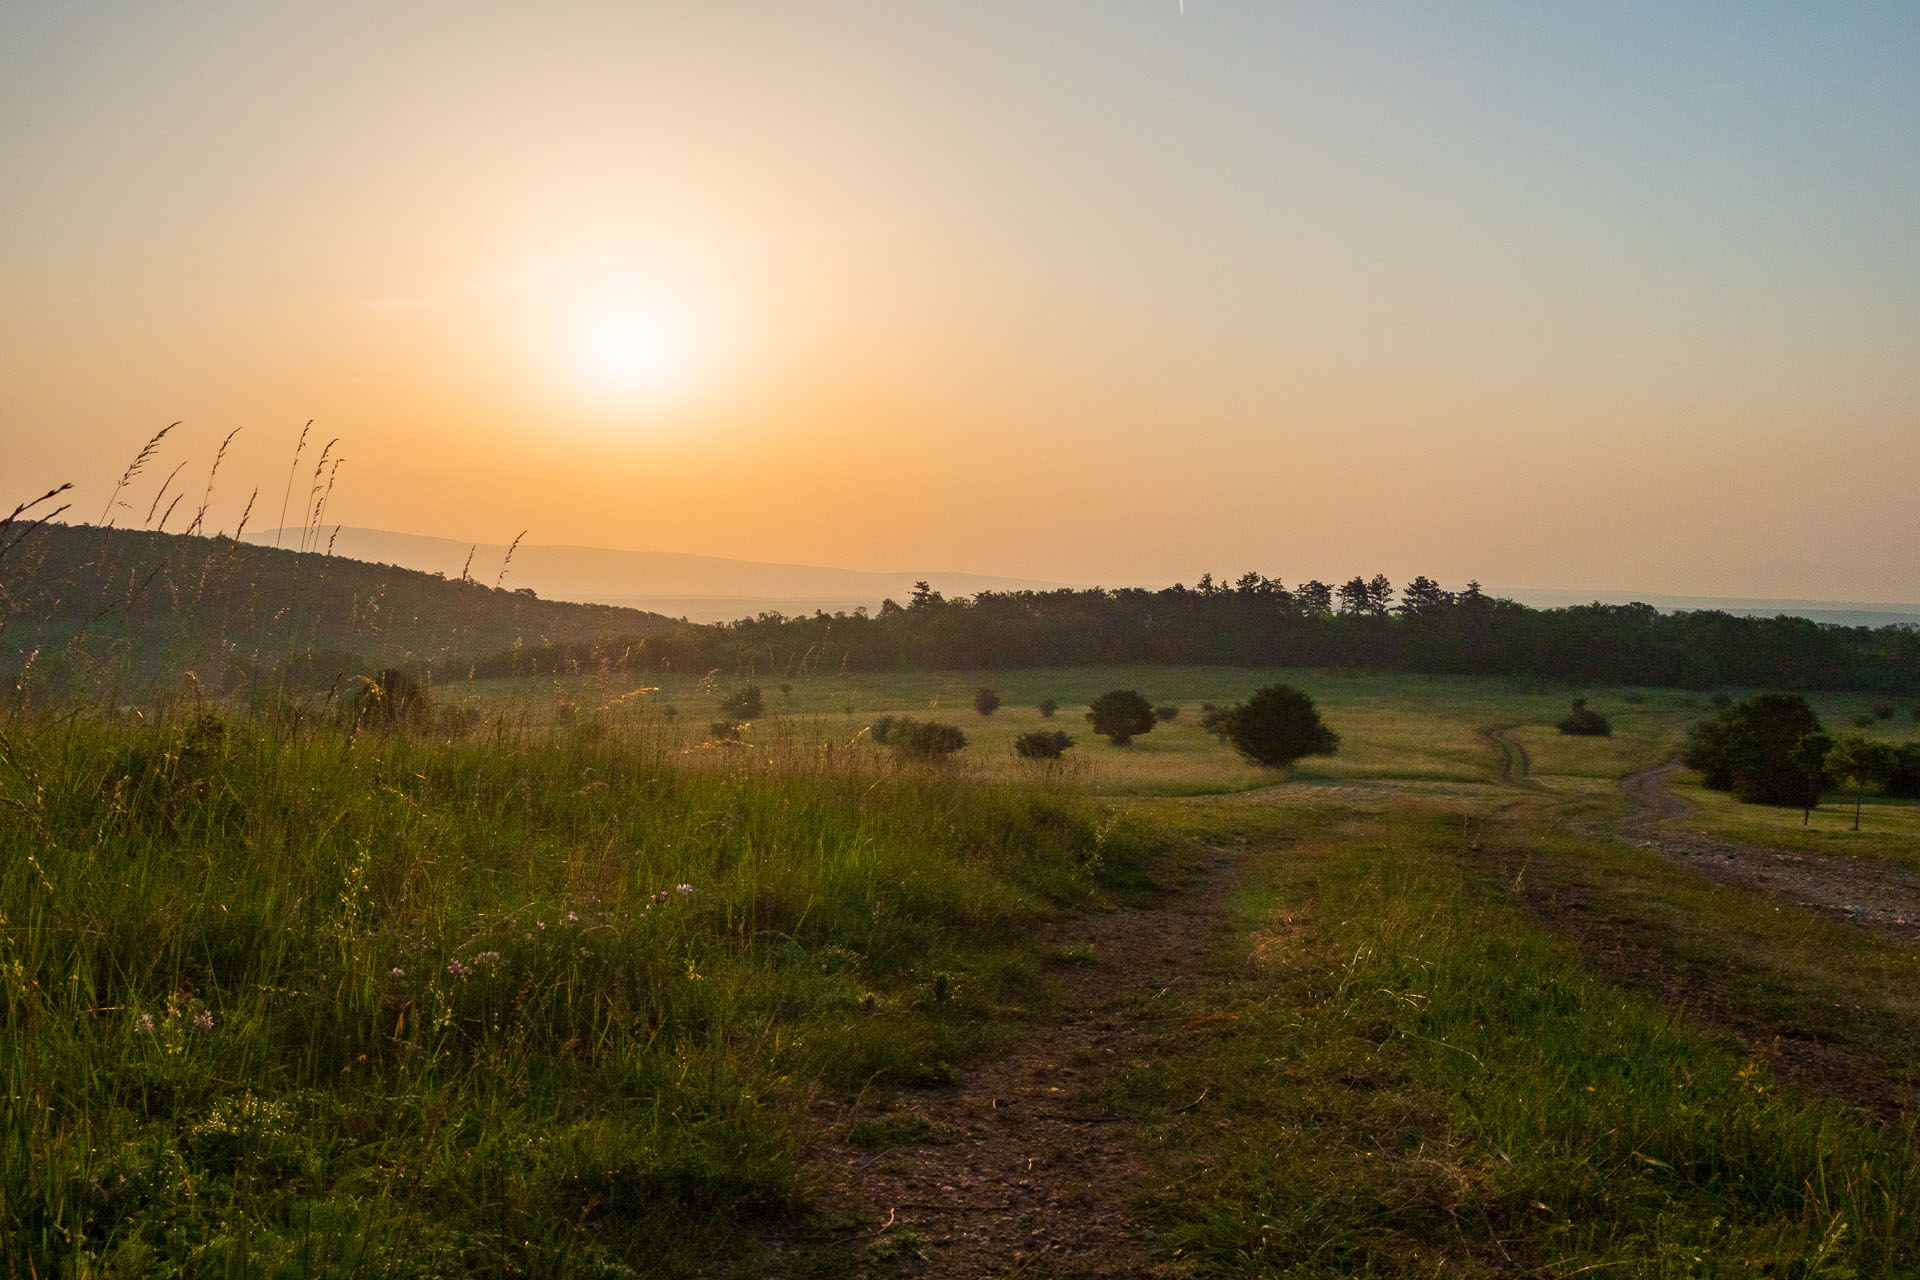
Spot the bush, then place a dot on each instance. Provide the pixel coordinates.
(1165, 712)
(925, 739)
(1883, 710)
(986, 702)
(1585, 722)
(1902, 779)
(726, 731)
(391, 700)
(743, 703)
(1041, 744)
(1275, 727)
(1120, 715)
(1748, 749)
(1048, 706)
(880, 729)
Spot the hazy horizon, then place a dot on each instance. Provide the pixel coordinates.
(1626, 299)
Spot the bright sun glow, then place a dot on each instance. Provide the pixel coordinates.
(629, 351)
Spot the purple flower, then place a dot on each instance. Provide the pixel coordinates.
(487, 957)
(683, 888)
(203, 1021)
(457, 969)
(661, 896)
(143, 1025)
(396, 972)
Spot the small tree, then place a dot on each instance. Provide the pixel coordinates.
(986, 702)
(1047, 707)
(881, 730)
(744, 703)
(1165, 712)
(1586, 722)
(1120, 715)
(1277, 726)
(1041, 744)
(392, 700)
(925, 739)
(1862, 760)
(1809, 755)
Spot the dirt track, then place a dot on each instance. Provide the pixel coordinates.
(1869, 893)
(1012, 1176)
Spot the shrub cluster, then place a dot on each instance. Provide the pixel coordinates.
(1585, 722)
(1041, 744)
(925, 739)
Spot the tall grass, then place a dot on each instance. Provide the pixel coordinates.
(307, 1002)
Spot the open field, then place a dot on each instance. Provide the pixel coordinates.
(281, 1001)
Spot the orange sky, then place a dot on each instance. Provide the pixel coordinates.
(1086, 292)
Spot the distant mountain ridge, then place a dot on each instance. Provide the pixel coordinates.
(676, 584)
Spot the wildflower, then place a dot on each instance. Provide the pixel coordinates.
(396, 972)
(683, 889)
(661, 896)
(203, 1021)
(457, 969)
(487, 957)
(572, 918)
(541, 925)
(143, 1026)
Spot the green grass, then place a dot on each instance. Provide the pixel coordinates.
(304, 1005)
(1398, 1073)
(1394, 728)
(463, 1023)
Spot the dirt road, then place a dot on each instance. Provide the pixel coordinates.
(1011, 1175)
(1870, 893)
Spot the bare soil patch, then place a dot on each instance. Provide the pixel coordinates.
(1005, 1172)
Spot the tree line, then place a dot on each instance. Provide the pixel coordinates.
(1258, 621)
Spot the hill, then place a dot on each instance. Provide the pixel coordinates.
(698, 588)
(138, 603)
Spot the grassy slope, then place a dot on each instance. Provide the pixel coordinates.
(303, 1004)
(169, 602)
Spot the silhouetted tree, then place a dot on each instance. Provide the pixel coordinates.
(1120, 715)
(1748, 748)
(1277, 726)
(986, 702)
(1810, 757)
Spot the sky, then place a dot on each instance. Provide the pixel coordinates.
(1622, 296)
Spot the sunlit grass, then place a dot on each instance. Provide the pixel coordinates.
(539, 1000)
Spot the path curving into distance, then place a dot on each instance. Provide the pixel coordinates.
(1868, 893)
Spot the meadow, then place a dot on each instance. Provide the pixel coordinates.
(573, 991)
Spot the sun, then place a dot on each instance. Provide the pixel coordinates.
(629, 350)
